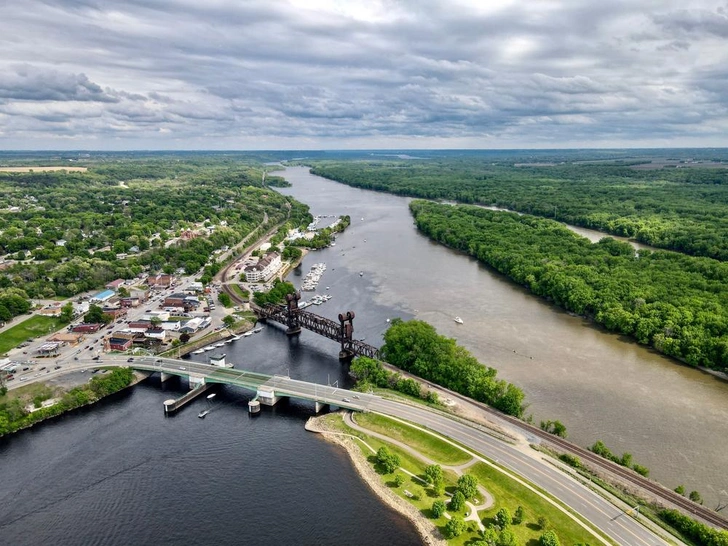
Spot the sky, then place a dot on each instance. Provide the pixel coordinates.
(347, 74)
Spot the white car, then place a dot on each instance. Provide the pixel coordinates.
(182, 368)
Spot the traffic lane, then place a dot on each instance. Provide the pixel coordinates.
(584, 501)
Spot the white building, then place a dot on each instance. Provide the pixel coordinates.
(264, 269)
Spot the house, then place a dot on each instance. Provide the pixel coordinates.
(70, 338)
(114, 285)
(61, 242)
(115, 312)
(178, 299)
(120, 342)
(159, 281)
(86, 328)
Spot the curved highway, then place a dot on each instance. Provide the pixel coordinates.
(613, 522)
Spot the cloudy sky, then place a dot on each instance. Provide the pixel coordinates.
(265, 74)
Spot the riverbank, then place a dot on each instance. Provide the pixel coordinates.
(14, 417)
(427, 531)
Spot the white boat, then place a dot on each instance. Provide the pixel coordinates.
(247, 334)
(198, 352)
(361, 273)
(257, 330)
(235, 338)
(219, 345)
(211, 396)
(230, 340)
(202, 414)
(458, 320)
(209, 348)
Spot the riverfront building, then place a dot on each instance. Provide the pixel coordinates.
(264, 269)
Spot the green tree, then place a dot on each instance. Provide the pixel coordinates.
(455, 527)
(433, 473)
(503, 518)
(224, 299)
(398, 480)
(96, 315)
(123, 292)
(67, 313)
(228, 321)
(438, 508)
(542, 522)
(518, 516)
(388, 462)
(549, 538)
(457, 501)
(695, 497)
(468, 485)
(680, 490)
(507, 538)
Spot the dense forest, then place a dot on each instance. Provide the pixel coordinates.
(682, 206)
(416, 347)
(62, 233)
(676, 303)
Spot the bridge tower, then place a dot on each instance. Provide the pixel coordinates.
(346, 332)
(292, 319)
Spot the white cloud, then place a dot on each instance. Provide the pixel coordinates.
(348, 73)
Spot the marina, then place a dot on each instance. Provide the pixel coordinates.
(312, 278)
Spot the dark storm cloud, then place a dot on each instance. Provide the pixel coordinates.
(225, 73)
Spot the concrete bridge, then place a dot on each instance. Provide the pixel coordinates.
(295, 318)
(269, 388)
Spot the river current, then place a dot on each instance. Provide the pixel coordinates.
(602, 386)
(120, 472)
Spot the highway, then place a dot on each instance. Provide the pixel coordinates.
(622, 528)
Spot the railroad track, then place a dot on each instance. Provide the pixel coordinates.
(661, 492)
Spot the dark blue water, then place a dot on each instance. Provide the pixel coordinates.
(122, 473)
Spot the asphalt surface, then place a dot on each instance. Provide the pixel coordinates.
(612, 521)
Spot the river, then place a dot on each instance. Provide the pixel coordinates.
(672, 418)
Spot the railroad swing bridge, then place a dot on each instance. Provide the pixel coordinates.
(295, 318)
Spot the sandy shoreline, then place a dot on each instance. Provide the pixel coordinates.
(425, 528)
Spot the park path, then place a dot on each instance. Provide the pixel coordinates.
(473, 508)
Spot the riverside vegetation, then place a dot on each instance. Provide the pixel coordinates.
(683, 209)
(678, 304)
(518, 516)
(15, 414)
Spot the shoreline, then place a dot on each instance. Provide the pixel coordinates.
(138, 377)
(427, 531)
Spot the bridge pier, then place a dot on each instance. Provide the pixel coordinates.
(345, 355)
(267, 396)
(320, 406)
(293, 331)
(165, 376)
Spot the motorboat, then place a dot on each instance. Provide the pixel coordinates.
(218, 345)
(247, 334)
(458, 320)
(258, 330)
(203, 413)
(198, 352)
(235, 338)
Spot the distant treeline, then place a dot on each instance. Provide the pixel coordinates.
(676, 303)
(682, 209)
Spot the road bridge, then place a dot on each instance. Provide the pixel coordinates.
(592, 507)
(295, 318)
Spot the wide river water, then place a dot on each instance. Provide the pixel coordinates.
(121, 473)
(672, 418)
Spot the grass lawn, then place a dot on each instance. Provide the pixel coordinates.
(35, 326)
(27, 393)
(239, 291)
(511, 494)
(427, 444)
(507, 492)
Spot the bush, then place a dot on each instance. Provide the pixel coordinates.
(454, 527)
(549, 538)
(438, 509)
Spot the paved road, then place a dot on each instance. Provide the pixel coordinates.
(611, 520)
